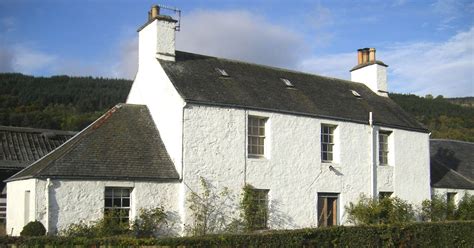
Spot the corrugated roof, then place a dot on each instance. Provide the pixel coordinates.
(21, 146)
(123, 144)
(259, 87)
(452, 164)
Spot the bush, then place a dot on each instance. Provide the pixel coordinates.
(438, 209)
(450, 234)
(149, 222)
(385, 211)
(108, 226)
(33, 228)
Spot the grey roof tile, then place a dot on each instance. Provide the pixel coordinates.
(452, 164)
(259, 87)
(21, 146)
(123, 144)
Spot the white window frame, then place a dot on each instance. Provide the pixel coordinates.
(384, 147)
(328, 140)
(111, 195)
(256, 133)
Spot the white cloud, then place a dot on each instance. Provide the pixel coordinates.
(240, 35)
(442, 68)
(22, 58)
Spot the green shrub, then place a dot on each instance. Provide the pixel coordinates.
(465, 209)
(385, 211)
(33, 228)
(149, 222)
(108, 226)
(424, 234)
(438, 209)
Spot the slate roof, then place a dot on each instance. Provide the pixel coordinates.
(452, 164)
(258, 87)
(21, 146)
(123, 144)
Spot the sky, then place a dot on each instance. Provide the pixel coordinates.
(428, 44)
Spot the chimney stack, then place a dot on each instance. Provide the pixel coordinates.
(371, 72)
(156, 38)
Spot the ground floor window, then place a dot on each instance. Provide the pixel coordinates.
(327, 209)
(117, 203)
(258, 209)
(385, 194)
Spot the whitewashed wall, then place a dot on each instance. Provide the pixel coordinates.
(75, 201)
(459, 193)
(17, 218)
(215, 148)
(374, 76)
(153, 88)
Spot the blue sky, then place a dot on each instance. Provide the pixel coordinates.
(428, 45)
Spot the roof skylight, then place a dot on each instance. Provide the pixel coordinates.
(222, 72)
(287, 82)
(356, 94)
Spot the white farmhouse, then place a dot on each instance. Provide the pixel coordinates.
(308, 144)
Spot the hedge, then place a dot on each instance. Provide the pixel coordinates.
(445, 234)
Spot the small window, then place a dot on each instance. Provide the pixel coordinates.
(384, 195)
(327, 209)
(256, 136)
(451, 198)
(222, 72)
(287, 82)
(259, 209)
(383, 147)
(117, 204)
(327, 143)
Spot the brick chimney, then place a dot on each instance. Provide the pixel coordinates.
(156, 38)
(370, 71)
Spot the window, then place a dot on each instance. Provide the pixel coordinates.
(327, 143)
(383, 195)
(450, 198)
(327, 209)
(383, 147)
(259, 209)
(117, 204)
(256, 136)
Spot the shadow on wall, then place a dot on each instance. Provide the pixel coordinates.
(53, 208)
(279, 219)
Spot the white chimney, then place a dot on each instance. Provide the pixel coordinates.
(370, 71)
(156, 38)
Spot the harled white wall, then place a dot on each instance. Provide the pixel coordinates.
(215, 148)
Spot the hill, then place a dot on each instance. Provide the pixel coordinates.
(58, 102)
(71, 103)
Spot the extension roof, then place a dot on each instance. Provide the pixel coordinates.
(258, 87)
(21, 146)
(123, 144)
(452, 164)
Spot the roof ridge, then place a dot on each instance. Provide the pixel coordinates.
(274, 67)
(453, 140)
(36, 130)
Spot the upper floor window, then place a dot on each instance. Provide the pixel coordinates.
(383, 147)
(256, 136)
(327, 142)
(117, 203)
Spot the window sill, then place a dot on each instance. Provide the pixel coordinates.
(257, 158)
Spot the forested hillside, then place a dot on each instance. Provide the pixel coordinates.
(445, 119)
(58, 102)
(71, 103)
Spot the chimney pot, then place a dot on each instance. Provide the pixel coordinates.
(359, 56)
(372, 55)
(155, 11)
